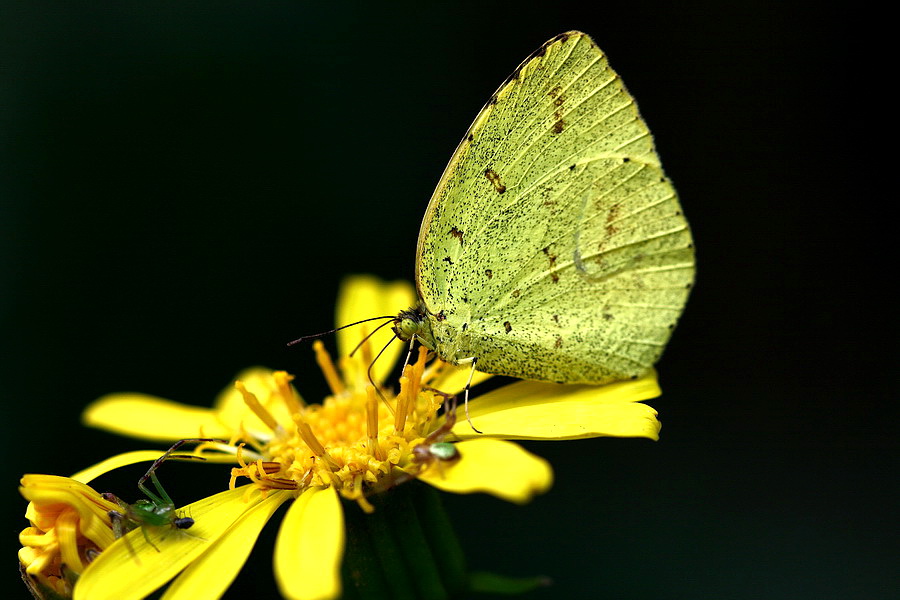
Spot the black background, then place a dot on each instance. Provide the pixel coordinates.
(185, 184)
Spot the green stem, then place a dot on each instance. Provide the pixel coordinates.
(405, 549)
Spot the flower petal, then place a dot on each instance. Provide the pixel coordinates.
(132, 568)
(538, 410)
(310, 547)
(50, 495)
(151, 418)
(364, 297)
(210, 575)
(114, 462)
(129, 458)
(497, 467)
(453, 378)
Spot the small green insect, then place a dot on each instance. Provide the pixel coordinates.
(434, 449)
(158, 509)
(554, 247)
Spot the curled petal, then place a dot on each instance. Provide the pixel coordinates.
(310, 547)
(51, 495)
(496, 467)
(551, 411)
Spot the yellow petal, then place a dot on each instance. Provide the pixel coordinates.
(310, 547)
(134, 569)
(50, 495)
(151, 418)
(210, 575)
(543, 411)
(497, 467)
(453, 378)
(136, 456)
(364, 297)
(114, 462)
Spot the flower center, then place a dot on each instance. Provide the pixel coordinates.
(354, 440)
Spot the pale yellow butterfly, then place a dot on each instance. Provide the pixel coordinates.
(554, 247)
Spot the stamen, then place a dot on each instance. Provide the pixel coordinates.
(253, 403)
(372, 423)
(308, 437)
(328, 370)
(360, 497)
(403, 402)
(237, 472)
(283, 382)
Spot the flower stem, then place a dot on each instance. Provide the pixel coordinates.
(405, 549)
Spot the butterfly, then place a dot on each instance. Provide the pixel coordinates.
(554, 247)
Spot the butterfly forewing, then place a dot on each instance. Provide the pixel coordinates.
(554, 248)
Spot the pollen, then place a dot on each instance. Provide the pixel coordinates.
(359, 439)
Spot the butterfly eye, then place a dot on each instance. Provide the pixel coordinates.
(407, 325)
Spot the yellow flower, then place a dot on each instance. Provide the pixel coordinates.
(70, 526)
(352, 445)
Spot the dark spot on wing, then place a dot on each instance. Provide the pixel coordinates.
(507, 326)
(448, 260)
(558, 99)
(556, 94)
(465, 326)
(552, 258)
(495, 180)
(457, 234)
(556, 319)
(607, 317)
(626, 159)
(470, 137)
(611, 216)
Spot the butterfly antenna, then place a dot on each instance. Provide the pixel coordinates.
(363, 341)
(372, 379)
(316, 335)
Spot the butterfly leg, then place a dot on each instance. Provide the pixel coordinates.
(472, 360)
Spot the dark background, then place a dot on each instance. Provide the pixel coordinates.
(185, 184)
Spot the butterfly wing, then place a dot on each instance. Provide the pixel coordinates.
(554, 247)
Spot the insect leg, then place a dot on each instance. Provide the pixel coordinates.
(473, 360)
(151, 472)
(121, 525)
